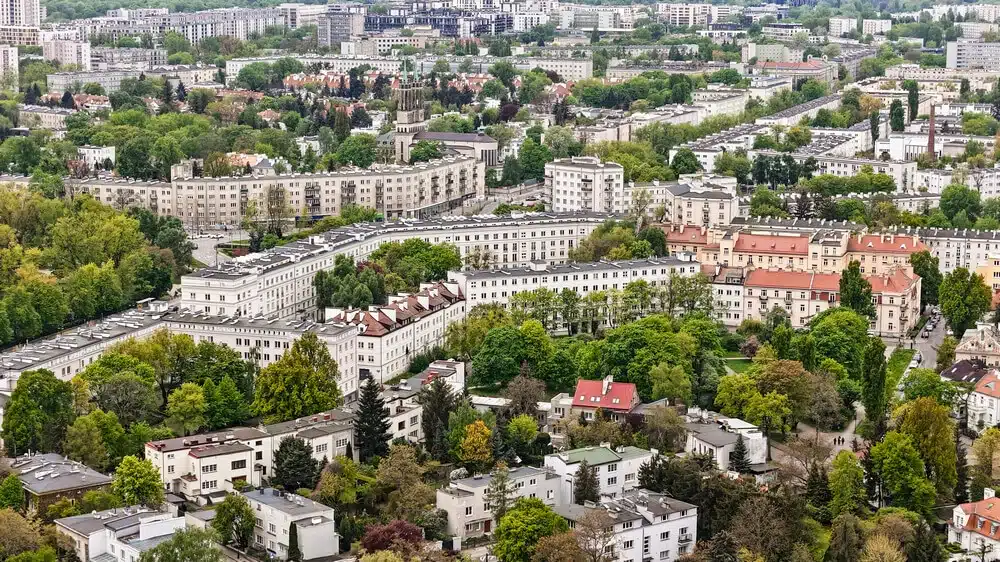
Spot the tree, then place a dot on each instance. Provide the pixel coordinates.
(294, 465)
(873, 386)
(896, 463)
(39, 410)
(523, 394)
(856, 291)
(924, 547)
(137, 482)
(846, 538)
(85, 444)
(475, 451)
(670, 382)
(931, 429)
(561, 547)
(437, 401)
(19, 534)
(185, 545)
(586, 485)
(301, 383)
(533, 157)
(912, 97)
(294, 553)
(926, 266)
(500, 492)
(847, 484)
(234, 521)
(964, 298)
(11, 493)
(880, 548)
(665, 429)
(946, 353)
(401, 473)
(522, 527)
(424, 151)
(371, 429)
(739, 459)
(186, 408)
(595, 532)
(685, 162)
(897, 116)
(358, 150)
(396, 536)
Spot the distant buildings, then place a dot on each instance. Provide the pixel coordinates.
(9, 61)
(49, 477)
(963, 54)
(982, 343)
(68, 53)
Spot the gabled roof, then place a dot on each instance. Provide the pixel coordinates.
(765, 244)
(983, 517)
(989, 385)
(620, 396)
(793, 280)
(885, 243)
(897, 282)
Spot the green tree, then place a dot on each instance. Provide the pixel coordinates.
(294, 465)
(846, 538)
(670, 382)
(897, 116)
(84, 443)
(874, 396)
(930, 427)
(739, 460)
(964, 298)
(505, 73)
(847, 484)
(137, 482)
(926, 266)
(946, 353)
(522, 527)
(586, 484)
(424, 151)
(301, 383)
(897, 464)
(358, 150)
(371, 429)
(956, 198)
(11, 493)
(234, 521)
(186, 408)
(294, 552)
(500, 492)
(685, 162)
(924, 547)
(186, 545)
(856, 291)
(39, 410)
(533, 157)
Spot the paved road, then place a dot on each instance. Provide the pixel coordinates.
(928, 346)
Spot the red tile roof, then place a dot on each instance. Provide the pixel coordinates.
(380, 320)
(989, 384)
(764, 244)
(684, 234)
(981, 517)
(621, 396)
(897, 282)
(793, 280)
(885, 243)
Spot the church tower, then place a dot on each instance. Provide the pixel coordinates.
(409, 115)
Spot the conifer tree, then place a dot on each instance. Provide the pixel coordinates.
(739, 459)
(587, 487)
(294, 553)
(371, 429)
(925, 546)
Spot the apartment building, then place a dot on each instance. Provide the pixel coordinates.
(278, 283)
(279, 514)
(686, 15)
(983, 404)
(87, 533)
(128, 538)
(109, 58)
(204, 468)
(48, 478)
(397, 191)
(647, 525)
(327, 433)
(875, 27)
(788, 31)
(261, 340)
(402, 399)
(470, 515)
(20, 35)
(985, 180)
(95, 156)
(296, 15)
(370, 46)
(710, 433)
(815, 69)
(963, 54)
(910, 145)
(905, 174)
(897, 302)
(842, 26)
(727, 287)
(617, 469)
(340, 22)
(68, 53)
(585, 183)
(981, 344)
(44, 117)
(974, 30)
(498, 286)
(20, 13)
(9, 61)
(109, 80)
(709, 201)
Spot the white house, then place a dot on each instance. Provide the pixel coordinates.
(617, 469)
(207, 466)
(976, 525)
(708, 432)
(280, 513)
(89, 535)
(405, 412)
(469, 514)
(984, 402)
(94, 155)
(328, 433)
(647, 525)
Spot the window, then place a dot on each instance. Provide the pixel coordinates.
(239, 464)
(630, 477)
(271, 528)
(322, 447)
(627, 525)
(627, 545)
(209, 484)
(665, 535)
(664, 554)
(468, 511)
(612, 481)
(209, 468)
(612, 467)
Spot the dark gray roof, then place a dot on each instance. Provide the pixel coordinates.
(231, 434)
(289, 504)
(334, 416)
(454, 137)
(711, 433)
(966, 370)
(93, 522)
(50, 473)
(215, 450)
(582, 267)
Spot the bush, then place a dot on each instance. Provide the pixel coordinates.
(423, 360)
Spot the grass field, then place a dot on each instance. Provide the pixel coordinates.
(739, 365)
(898, 361)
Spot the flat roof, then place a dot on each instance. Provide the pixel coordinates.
(51, 473)
(293, 505)
(214, 438)
(583, 267)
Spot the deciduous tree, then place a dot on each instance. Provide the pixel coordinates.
(186, 545)
(522, 527)
(137, 482)
(234, 521)
(302, 382)
(856, 291)
(964, 298)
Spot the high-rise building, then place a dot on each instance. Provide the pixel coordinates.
(20, 13)
(410, 118)
(8, 66)
(68, 52)
(340, 23)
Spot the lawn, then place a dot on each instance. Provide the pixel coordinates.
(898, 362)
(739, 365)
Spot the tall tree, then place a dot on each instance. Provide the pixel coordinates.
(595, 530)
(294, 552)
(926, 266)
(500, 492)
(856, 291)
(437, 401)
(924, 547)
(137, 482)
(847, 485)
(846, 539)
(39, 410)
(739, 460)
(897, 116)
(522, 527)
(371, 429)
(186, 545)
(294, 465)
(931, 429)
(301, 383)
(964, 298)
(234, 521)
(586, 485)
(873, 386)
(186, 408)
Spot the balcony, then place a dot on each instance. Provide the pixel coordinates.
(685, 538)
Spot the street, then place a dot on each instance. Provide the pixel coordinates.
(205, 251)
(928, 346)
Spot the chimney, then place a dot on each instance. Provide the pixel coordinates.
(930, 136)
(989, 493)
(606, 384)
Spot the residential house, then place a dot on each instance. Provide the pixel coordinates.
(716, 435)
(464, 499)
(49, 477)
(975, 526)
(980, 344)
(617, 469)
(280, 513)
(87, 533)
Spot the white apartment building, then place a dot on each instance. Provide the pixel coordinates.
(498, 286)
(787, 32)
(296, 15)
(109, 80)
(410, 191)
(842, 26)
(710, 201)
(20, 13)
(328, 433)
(108, 58)
(95, 156)
(974, 30)
(9, 61)
(910, 145)
(203, 468)
(716, 435)
(278, 283)
(469, 514)
(981, 344)
(647, 525)
(972, 54)
(121, 193)
(44, 117)
(984, 402)
(875, 27)
(88, 534)
(19, 35)
(68, 52)
(617, 469)
(261, 340)
(687, 15)
(585, 183)
(727, 287)
(390, 335)
(974, 526)
(905, 174)
(240, 23)
(984, 180)
(281, 513)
